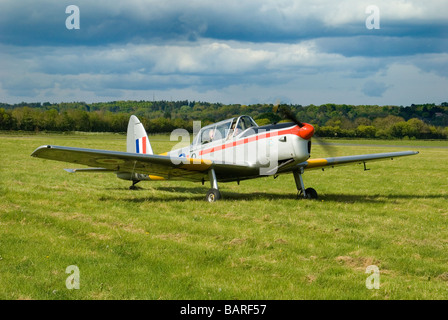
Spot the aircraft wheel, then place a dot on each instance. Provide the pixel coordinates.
(133, 187)
(213, 195)
(311, 193)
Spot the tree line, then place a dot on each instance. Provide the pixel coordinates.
(422, 121)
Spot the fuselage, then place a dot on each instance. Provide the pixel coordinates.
(270, 148)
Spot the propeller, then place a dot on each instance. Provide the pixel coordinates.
(286, 113)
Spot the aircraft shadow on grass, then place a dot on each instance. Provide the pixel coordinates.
(184, 194)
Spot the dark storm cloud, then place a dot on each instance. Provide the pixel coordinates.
(374, 89)
(34, 23)
(319, 49)
(382, 46)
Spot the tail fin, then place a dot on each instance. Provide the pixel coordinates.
(137, 139)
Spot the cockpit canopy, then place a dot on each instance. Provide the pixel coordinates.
(226, 129)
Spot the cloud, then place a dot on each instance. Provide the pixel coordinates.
(381, 46)
(28, 22)
(374, 89)
(301, 50)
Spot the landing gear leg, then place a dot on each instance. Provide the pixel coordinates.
(134, 182)
(308, 193)
(213, 194)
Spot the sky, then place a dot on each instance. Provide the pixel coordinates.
(375, 52)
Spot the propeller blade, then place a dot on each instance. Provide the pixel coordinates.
(328, 148)
(286, 113)
(275, 108)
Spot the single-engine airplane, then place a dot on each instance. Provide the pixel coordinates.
(235, 149)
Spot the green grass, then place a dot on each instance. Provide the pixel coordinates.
(164, 241)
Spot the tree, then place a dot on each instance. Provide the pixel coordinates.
(270, 116)
(400, 130)
(365, 131)
(362, 121)
(418, 129)
(387, 122)
(5, 120)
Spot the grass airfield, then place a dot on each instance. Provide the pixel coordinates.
(163, 241)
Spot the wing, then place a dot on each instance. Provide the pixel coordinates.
(89, 170)
(158, 165)
(340, 161)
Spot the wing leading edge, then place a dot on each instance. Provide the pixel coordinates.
(345, 160)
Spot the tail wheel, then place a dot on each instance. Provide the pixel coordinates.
(213, 195)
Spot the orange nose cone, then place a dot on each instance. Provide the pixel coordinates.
(306, 132)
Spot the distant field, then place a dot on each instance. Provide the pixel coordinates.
(164, 241)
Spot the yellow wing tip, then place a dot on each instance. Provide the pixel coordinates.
(312, 163)
(156, 177)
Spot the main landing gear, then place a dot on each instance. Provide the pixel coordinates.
(133, 187)
(308, 193)
(213, 194)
